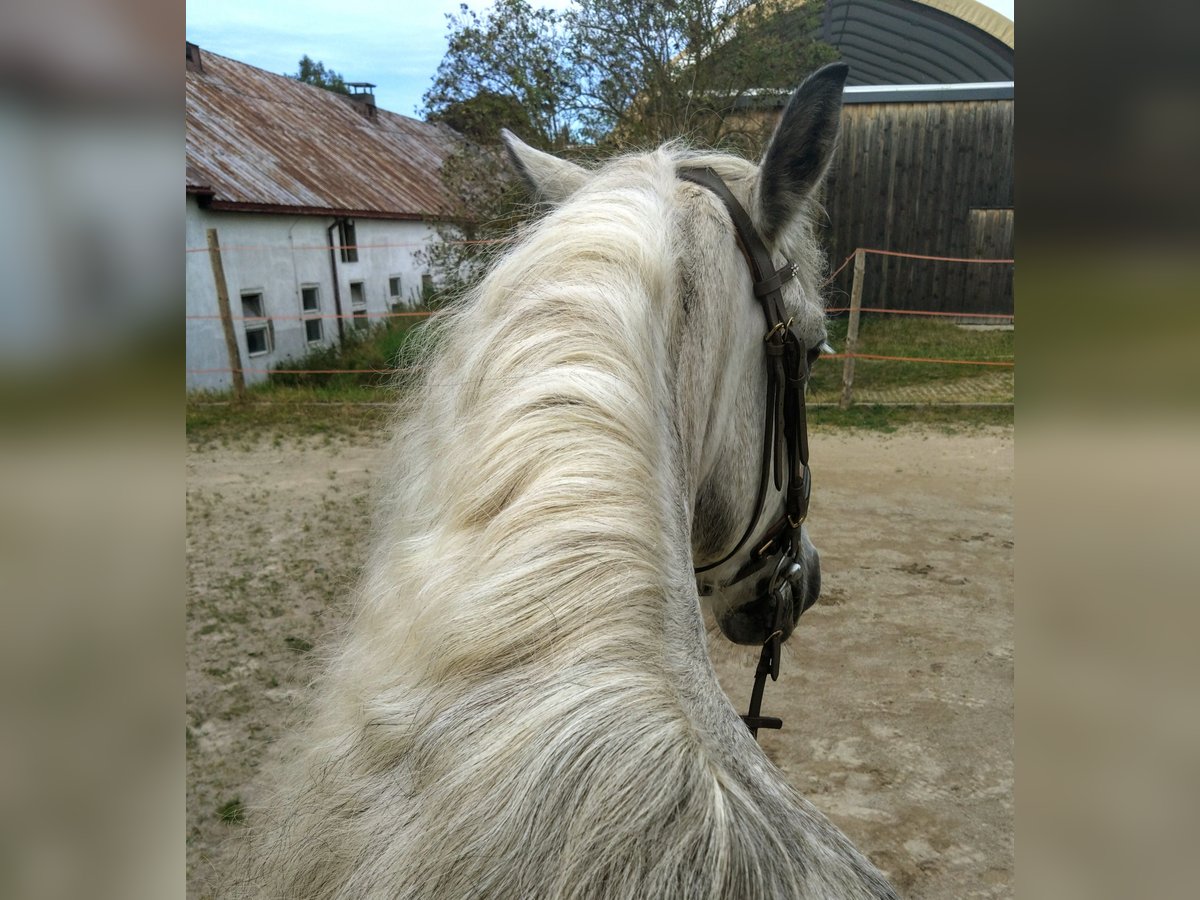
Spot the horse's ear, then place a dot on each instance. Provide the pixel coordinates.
(801, 148)
(551, 179)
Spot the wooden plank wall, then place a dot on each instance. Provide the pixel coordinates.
(990, 236)
(929, 178)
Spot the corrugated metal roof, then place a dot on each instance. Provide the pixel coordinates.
(996, 24)
(919, 41)
(265, 142)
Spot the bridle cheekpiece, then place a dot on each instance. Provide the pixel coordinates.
(785, 442)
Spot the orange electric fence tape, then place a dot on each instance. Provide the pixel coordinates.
(923, 312)
(875, 356)
(327, 247)
(919, 359)
(301, 371)
(956, 259)
(384, 246)
(373, 315)
(836, 272)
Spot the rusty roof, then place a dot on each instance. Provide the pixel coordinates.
(262, 142)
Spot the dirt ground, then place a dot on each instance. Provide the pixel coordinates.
(896, 691)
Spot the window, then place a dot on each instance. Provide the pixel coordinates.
(310, 298)
(358, 304)
(310, 304)
(426, 286)
(395, 298)
(259, 331)
(348, 240)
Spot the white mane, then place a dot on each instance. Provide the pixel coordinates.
(522, 705)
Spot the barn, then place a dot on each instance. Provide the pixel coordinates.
(306, 213)
(926, 159)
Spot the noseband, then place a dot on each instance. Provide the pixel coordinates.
(785, 442)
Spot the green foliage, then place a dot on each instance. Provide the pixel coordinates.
(314, 72)
(621, 72)
(613, 73)
(513, 57)
(371, 352)
(476, 117)
(506, 68)
(489, 204)
(652, 71)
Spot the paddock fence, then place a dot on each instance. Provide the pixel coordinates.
(888, 356)
(901, 356)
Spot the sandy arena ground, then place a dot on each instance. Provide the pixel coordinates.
(896, 691)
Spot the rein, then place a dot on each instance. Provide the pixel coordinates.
(785, 441)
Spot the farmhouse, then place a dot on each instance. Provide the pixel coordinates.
(311, 206)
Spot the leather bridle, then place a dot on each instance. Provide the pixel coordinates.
(785, 443)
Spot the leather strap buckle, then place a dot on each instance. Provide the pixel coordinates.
(779, 328)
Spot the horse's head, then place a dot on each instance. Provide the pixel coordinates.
(756, 567)
(775, 573)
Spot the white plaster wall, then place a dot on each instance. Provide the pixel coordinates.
(276, 255)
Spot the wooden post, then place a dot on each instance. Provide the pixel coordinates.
(852, 329)
(235, 359)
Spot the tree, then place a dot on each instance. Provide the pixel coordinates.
(621, 72)
(481, 117)
(488, 205)
(506, 68)
(513, 59)
(614, 73)
(651, 71)
(314, 73)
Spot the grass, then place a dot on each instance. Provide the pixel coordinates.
(297, 644)
(361, 402)
(911, 336)
(371, 352)
(232, 812)
(238, 424)
(293, 413)
(878, 417)
(341, 404)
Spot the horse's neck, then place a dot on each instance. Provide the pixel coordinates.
(565, 547)
(529, 639)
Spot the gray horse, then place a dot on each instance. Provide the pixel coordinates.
(522, 705)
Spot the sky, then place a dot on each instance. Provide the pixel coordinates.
(396, 44)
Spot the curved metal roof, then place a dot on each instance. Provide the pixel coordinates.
(920, 41)
(975, 13)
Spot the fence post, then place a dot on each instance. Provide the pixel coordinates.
(852, 329)
(235, 360)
